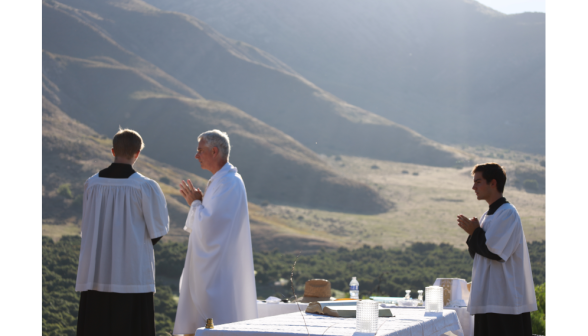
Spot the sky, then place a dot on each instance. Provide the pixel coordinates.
(515, 6)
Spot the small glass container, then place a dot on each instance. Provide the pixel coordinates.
(434, 302)
(367, 316)
(420, 299)
(407, 296)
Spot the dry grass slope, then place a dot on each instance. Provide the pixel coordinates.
(72, 152)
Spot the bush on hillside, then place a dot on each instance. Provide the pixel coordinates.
(385, 272)
(61, 301)
(65, 190)
(538, 316)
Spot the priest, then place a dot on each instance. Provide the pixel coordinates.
(124, 215)
(218, 280)
(502, 292)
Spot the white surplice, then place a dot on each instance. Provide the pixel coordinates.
(218, 280)
(120, 218)
(503, 287)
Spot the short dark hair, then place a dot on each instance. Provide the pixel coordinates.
(127, 143)
(492, 171)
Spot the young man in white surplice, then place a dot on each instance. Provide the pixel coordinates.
(124, 215)
(218, 280)
(502, 293)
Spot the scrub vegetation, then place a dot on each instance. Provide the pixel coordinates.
(61, 301)
(380, 271)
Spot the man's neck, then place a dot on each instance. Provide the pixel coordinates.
(493, 198)
(218, 166)
(123, 160)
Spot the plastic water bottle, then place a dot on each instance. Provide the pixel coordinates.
(354, 289)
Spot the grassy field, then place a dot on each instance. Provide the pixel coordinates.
(427, 201)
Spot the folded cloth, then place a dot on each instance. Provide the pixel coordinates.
(273, 299)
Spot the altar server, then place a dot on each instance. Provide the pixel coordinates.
(502, 291)
(124, 215)
(218, 280)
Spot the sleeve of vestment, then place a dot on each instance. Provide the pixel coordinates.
(154, 209)
(504, 235)
(477, 244)
(212, 218)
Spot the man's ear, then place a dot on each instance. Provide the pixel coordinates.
(214, 151)
(493, 183)
(136, 156)
(112, 150)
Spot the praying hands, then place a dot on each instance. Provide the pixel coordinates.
(189, 192)
(468, 225)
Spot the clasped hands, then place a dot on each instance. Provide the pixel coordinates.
(190, 193)
(468, 225)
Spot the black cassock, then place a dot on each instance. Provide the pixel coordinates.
(107, 313)
(491, 324)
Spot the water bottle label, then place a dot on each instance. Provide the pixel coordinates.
(353, 287)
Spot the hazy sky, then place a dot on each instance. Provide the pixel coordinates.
(515, 6)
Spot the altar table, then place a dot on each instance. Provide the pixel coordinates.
(407, 322)
(271, 309)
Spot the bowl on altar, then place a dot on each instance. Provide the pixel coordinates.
(408, 303)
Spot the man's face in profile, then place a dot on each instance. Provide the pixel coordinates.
(481, 187)
(204, 155)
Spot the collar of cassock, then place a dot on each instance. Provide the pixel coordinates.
(494, 206)
(117, 170)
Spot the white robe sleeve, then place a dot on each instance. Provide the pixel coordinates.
(190, 220)
(154, 209)
(214, 216)
(504, 235)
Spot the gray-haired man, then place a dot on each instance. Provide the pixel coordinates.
(217, 281)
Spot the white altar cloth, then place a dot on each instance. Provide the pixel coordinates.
(407, 322)
(272, 309)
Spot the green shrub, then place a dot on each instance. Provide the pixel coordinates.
(538, 316)
(384, 272)
(64, 190)
(61, 301)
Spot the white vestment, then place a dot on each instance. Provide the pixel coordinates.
(218, 280)
(120, 218)
(503, 287)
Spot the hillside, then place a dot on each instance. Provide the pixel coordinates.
(440, 67)
(72, 152)
(230, 71)
(102, 92)
(300, 199)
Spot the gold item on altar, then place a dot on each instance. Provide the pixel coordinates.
(209, 324)
(446, 284)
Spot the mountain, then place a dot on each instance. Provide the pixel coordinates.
(72, 152)
(245, 77)
(103, 85)
(454, 71)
